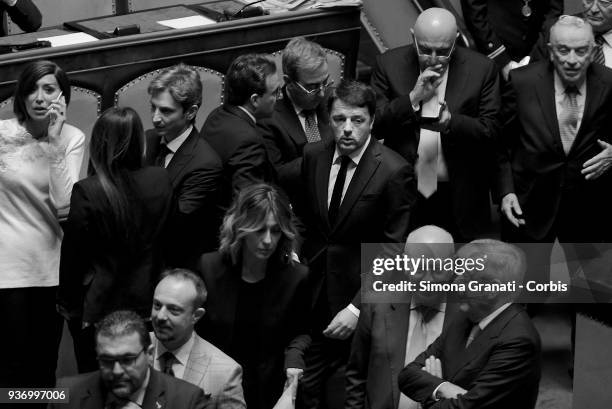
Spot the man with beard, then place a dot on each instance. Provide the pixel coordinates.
(300, 117)
(125, 379)
(390, 335)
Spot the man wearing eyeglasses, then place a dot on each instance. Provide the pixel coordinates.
(253, 86)
(125, 379)
(300, 117)
(555, 178)
(598, 13)
(437, 104)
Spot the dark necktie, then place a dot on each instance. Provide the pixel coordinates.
(426, 312)
(334, 204)
(165, 362)
(599, 56)
(161, 155)
(568, 120)
(312, 130)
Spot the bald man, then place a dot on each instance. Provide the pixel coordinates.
(488, 357)
(390, 335)
(437, 104)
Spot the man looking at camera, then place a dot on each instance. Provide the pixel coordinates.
(439, 101)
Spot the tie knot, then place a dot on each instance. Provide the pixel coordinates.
(344, 160)
(427, 312)
(309, 113)
(571, 91)
(167, 359)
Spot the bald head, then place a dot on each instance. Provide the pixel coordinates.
(435, 25)
(436, 240)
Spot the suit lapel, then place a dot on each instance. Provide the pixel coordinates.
(155, 396)
(396, 327)
(458, 77)
(545, 91)
(594, 93)
(197, 363)
(94, 398)
(322, 169)
(291, 121)
(183, 155)
(365, 170)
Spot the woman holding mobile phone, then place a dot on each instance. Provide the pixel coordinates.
(40, 160)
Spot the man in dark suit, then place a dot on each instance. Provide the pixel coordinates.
(193, 166)
(300, 117)
(390, 335)
(125, 379)
(505, 31)
(554, 176)
(252, 85)
(440, 102)
(358, 191)
(24, 13)
(489, 356)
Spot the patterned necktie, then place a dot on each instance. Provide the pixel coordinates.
(160, 160)
(599, 54)
(334, 204)
(312, 130)
(568, 120)
(166, 360)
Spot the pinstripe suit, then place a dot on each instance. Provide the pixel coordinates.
(216, 373)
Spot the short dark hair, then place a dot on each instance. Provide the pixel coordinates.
(247, 76)
(188, 275)
(121, 323)
(182, 82)
(301, 54)
(354, 93)
(26, 84)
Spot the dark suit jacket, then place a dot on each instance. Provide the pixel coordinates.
(472, 96)
(233, 134)
(285, 139)
(24, 13)
(101, 271)
(378, 354)
(500, 369)
(286, 309)
(535, 166)
(375, 209)
(163, 392)
(494, 24)
(195, 172)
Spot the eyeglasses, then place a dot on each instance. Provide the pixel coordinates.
(310, 89)
(442, 54)
(603, 3)
(125, 361)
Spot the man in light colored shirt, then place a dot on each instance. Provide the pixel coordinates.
(177, 305)
(355, 191)
(390, 335)
(489, 356)
(125, 379)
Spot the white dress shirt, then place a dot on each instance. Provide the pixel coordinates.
(607, 48)
(355, 157)
(181, 354)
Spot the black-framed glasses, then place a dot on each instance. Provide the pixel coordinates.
(310, 89)
(124, 361)
(442, 54)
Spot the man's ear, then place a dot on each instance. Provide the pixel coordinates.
(192, 112)
(198, 314)
(254, 100)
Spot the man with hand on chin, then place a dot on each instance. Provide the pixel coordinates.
(437, 104)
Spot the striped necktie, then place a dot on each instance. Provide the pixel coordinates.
(311, 128)
(568, 120)
(599, 56)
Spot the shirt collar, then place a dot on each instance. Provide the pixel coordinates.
(181, 353)
(560, 87)
(176, 143)
(607, 38)
(487, 320)
(355, 156)
(248, 113)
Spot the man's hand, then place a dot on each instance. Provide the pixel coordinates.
(443, 123)
(598, 164)
(426, 85)
(287, 399)
(510, 66)
(449, 390)
(342, 326)
(512, 210)
(433, 366)
(293, 375)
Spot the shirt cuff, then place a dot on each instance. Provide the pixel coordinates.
(433, 395)
(353, 309)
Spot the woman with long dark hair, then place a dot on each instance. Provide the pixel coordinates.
(40, 159)
(258, 297)
(111, 251)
